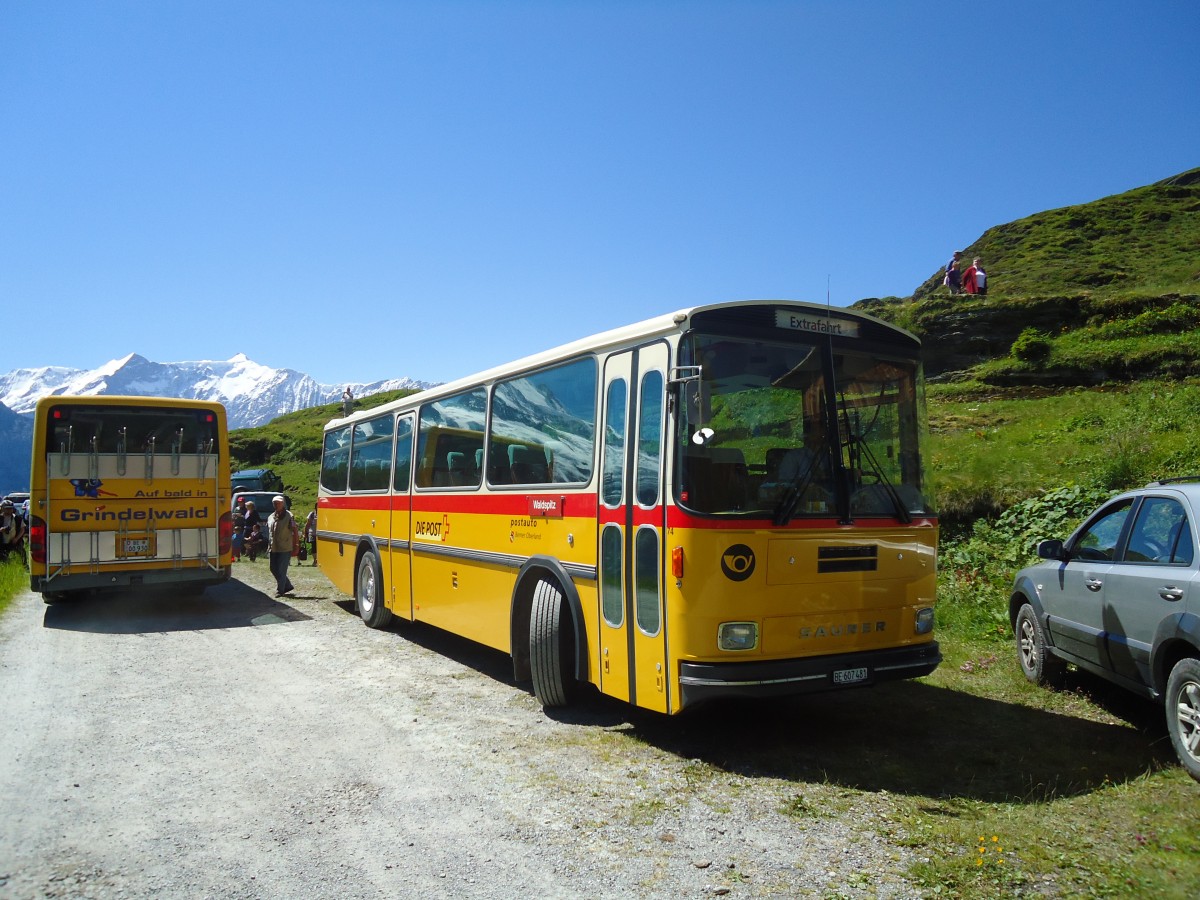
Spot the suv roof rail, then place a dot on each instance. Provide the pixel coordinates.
(1178, 480)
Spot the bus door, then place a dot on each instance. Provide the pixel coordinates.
(400, 546)
(633, 642)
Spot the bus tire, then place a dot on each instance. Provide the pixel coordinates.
(55, 596)
(368, 593)
(550, 646)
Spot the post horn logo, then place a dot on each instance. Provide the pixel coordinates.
(738, 562)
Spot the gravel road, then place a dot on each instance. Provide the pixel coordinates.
(238, 746)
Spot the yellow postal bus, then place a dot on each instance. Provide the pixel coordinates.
(723, 501)
(128, 491)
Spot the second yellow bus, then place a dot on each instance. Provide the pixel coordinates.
(128, 492)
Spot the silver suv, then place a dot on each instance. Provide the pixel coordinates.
(1121, 598)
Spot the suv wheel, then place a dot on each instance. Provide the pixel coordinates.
(1037, 662)
(1183, 713)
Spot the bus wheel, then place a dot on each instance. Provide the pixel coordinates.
(55, 596)
(368, 593)
(550, 646)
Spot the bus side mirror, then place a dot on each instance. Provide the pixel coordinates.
(688, 382)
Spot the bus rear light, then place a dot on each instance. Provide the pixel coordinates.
(37, 540)
(677, 562)
(923, 622)
(225, 533)
(737, 635)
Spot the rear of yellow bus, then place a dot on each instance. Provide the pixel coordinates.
(128, 492)
(800, 548)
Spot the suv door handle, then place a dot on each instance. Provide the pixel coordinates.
(1093, 584)
(1170, 592)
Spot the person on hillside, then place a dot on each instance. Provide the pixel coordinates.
(347, 401)
(972, 278)
(953, 279)
(12, 531)
(283, 540)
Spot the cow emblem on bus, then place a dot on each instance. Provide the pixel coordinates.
(738, 562)
(89, 487)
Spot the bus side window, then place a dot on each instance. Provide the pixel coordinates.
(528, 465)
(456, 468)
(498, 472)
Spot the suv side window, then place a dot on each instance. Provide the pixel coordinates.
(1098, 542)
(1160, 534)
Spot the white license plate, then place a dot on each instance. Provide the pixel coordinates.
(849, 676)
(135, 546)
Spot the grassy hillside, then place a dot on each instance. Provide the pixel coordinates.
(1092, 294)
(1143, 241)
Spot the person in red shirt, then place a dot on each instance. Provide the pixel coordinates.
(974, 278)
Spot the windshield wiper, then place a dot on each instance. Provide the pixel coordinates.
(902, 512)
(785, 509)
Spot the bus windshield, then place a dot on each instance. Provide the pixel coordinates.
(765, 432)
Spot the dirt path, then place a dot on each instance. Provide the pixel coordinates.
(236, 746)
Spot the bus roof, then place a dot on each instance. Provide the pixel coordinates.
(667, 323)
(120, 400)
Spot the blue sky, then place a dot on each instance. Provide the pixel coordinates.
(365, 190)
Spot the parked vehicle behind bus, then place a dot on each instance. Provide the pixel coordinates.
(256, 480)
(128, 492)
(726, 501)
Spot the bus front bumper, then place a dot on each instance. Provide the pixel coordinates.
(776, 678)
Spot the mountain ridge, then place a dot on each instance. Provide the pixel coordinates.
(252, 394)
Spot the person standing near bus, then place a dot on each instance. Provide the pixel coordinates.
(283, 539)
(239, 528)
(310, 534)
(12, 531)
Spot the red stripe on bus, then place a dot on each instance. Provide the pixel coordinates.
(572, 505)
(584, 505)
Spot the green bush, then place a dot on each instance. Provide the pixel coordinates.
(1031, 346)
(977, 570)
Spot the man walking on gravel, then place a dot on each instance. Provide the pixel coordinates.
(283, 539)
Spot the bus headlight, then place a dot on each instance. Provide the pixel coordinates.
(923, 623)
(737, 635)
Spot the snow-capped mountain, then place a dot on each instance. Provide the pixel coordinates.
(253, 394)
(16, 439)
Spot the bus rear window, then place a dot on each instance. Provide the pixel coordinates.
(130, 429)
